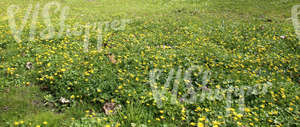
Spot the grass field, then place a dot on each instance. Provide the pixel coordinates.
(149, 63)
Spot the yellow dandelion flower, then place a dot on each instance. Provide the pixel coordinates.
(201, 119)
(161, 111)
(193, 124)
(16, 123)
(200, 124)
(247, 110)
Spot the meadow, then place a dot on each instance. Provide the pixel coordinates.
(138, 63)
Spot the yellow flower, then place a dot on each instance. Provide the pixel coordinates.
(247, 110)
(201, 119)
(239, 123)
(63, 70)
(200, 124)
(183, 118)
(161, 111)
(45, 122)
(275, 112)
(239, 115)
(193, 124)
(216, 123)
(291, 109)
(16, 123)
(198, 109)
(157, 119)
(86, 73)
(207, 110)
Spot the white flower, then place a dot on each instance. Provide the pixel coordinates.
(64, 100)
(282, 37)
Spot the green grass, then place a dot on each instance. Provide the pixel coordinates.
(27, 104)
(24, 104)
(237, 41)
